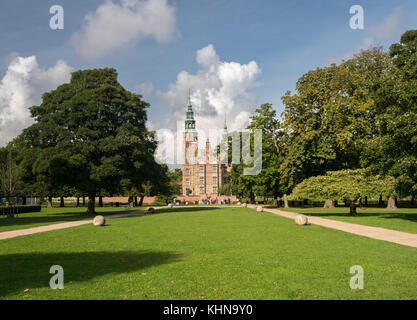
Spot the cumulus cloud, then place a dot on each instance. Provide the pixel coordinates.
(116, 25)
(390, 28)
(219, 90)
(22, 87)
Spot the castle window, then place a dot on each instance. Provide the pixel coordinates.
(214, 168)
(201, 180)
(201, 189)
(187, 172)
(214, 189)
(201, 168)
(214, 180)
(187, 182)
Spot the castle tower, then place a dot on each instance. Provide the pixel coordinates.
(190, 148)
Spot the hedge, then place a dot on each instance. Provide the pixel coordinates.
(19, 209)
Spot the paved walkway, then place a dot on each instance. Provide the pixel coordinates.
(57, 226)
(404, 238)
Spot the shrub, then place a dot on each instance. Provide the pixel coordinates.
(20, 209)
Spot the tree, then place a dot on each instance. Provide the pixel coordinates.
(394, 150)
(330, 116)
(268, 181)
(8, 175)
(90, 134)
(348, 185)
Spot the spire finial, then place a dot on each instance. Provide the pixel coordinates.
(189, 96)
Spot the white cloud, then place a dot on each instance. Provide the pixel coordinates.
(145, 89)
(113, 26)
(219, 90)
(22, 87)
(390, 28)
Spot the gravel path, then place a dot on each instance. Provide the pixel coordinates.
(404, 238)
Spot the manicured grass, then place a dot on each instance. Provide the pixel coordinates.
(54, 215)
(400, 219)
(205, 253)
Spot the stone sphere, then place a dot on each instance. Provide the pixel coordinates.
(259, 209)
(170, 205)
(151, 210)
(99, 221)
(301, 220)
(244, 205)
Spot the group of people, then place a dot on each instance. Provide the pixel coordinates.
(208, 201)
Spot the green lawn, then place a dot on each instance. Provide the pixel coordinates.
(54, 215)
(205, 253)
(400, 219)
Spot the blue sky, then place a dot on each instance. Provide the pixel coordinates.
(284, 38)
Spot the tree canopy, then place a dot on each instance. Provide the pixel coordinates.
(344, 184)
(394, 150)
(330, 116)
(89, 134)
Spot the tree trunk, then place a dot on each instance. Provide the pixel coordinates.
(100, 201)
(252, 197)
(78, 201)
(329, 204)
(130, 202)
(49, 202)
(91, 204)
(83, 201)
(136, 201)
(141, 201)
(412, 200)
(24, 201)
(366, 201)
(380, 202)
(62, 203)
(352, 208)
(286, 201)
(391, 204)
(275, 202)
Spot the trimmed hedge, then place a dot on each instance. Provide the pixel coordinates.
(19, 209)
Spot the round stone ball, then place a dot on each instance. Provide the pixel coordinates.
(301, 220)
(99, 221)
(259, 209)
(244, 205)
(239, 203)
(151, 210)
(170, 205)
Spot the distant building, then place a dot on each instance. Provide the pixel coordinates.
(202, 171)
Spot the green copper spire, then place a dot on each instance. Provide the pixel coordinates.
(189, 119)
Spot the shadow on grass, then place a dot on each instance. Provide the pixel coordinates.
(49, 217)
(31, 270)
(362, 213)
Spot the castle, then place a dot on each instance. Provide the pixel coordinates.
(202, 171)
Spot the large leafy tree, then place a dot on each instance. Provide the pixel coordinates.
(268, 181)
(89, 134)
(330, 116)
(9, 176)
(394, 150)
(348, 185)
